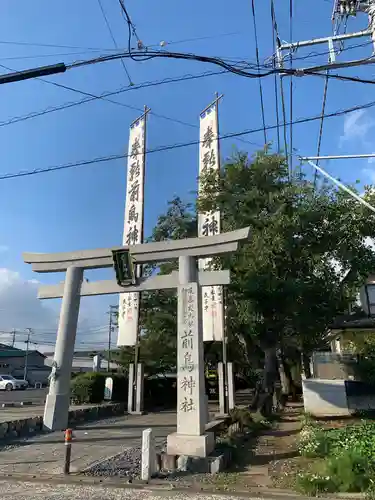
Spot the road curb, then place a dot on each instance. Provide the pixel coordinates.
(25, 426)
(17, 404)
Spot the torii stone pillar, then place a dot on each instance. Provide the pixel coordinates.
(190, 438)
(57, 403)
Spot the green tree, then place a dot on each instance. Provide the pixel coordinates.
(301, 268)
(304, 261)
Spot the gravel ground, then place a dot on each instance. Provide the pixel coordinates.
(35, 491)
(126, 464)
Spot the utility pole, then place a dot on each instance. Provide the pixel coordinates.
(27, 342)
(343, 11)
(13, 337)
(113, 323)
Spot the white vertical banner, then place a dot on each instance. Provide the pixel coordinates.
(209, 224)
(128, 318)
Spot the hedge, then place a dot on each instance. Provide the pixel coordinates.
(158, 392)
(89, 388)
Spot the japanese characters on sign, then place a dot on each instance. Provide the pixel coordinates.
(133, 227)
(187, 352)
(209, 225)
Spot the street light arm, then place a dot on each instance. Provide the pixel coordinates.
(33, 73)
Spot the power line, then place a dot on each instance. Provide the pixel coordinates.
(321, 125)
(37, 56)
(98, 49)
(169, 147)
(161, 82)
(114, 40)
(145, 55)
(118, 103)
(257, 61)
(291, 87)
(221, 62)
(49, 45)
(104, 95)
(275, 76)
(327, 52)
(283, 108)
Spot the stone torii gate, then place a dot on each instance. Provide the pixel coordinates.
(190, 438)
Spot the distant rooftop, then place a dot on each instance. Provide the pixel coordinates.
(16, 353)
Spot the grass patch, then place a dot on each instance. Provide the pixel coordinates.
(342, 459)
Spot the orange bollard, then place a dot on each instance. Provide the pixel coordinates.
(68, 450)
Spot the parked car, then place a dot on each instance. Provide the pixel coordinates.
(9, 383)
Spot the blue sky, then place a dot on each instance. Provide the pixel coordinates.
(83, 207)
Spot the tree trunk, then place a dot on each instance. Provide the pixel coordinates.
(288, 375)
(283, 369)
(263, 399)
(306, 365)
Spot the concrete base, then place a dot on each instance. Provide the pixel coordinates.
(56, 412)
(192, 446)
(210, 465)
(325, 398)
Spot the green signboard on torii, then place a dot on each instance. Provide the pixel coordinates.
(124, 267)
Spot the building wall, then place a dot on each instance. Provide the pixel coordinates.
(36, 370)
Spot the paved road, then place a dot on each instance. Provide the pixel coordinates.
(92, 442)
(38, 491)
(37, 396)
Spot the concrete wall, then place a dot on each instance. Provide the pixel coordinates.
(325, 397)
(82, 364)
(333, 366)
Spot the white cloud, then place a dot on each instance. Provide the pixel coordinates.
(19, 305)
(20, 309)
(356, 126)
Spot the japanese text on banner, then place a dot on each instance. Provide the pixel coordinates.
(209, 225)
(133, 227)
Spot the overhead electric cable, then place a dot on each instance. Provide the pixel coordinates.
(257, 61)
(291, 87)
(321, 125)
(169, 147)
(114, 40)
(240, 69)
(275, 76)
(118, 103)
(104, 95)
(283, 107)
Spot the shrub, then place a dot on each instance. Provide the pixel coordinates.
(313, 484)
(349, 453)
(88, 388)
(313, 441)
(349, 471)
